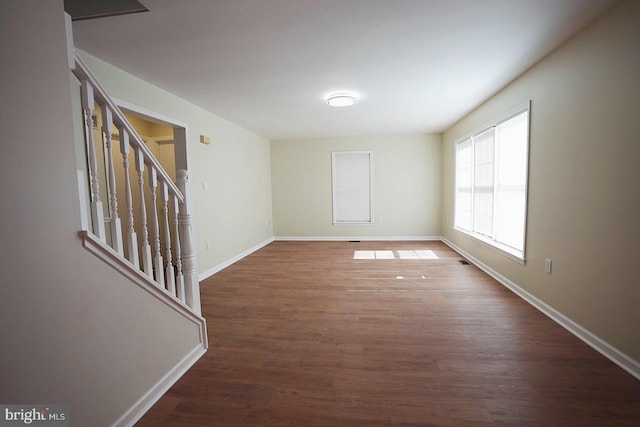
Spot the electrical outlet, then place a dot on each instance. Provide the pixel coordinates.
(547, 266)
(208, 244)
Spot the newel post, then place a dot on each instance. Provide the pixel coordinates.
(191, 285)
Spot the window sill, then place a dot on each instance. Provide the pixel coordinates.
(508, 252)
(353, 222)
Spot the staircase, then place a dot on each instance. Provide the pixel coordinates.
(152, 243)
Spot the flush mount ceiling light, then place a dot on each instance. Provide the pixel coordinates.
(341, 100)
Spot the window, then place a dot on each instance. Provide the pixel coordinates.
(491, 183)
(351, 173)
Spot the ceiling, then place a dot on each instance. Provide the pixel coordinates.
(268, 65)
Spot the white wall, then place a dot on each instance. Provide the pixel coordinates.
(235, 212)
(584, 201)
(74, 331)
(406, 186)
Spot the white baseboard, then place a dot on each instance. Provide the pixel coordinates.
(210, 272)
(360, 238)
(111, 257)
(138, 409)
(627, 363)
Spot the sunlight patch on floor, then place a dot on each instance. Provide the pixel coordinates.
(401, 254)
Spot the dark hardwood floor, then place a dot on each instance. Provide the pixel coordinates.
(303, 334)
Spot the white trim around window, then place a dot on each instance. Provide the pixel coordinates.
(491, 183)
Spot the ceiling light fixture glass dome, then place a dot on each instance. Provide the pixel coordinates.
(341, 100)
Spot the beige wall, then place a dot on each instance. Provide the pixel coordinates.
(74, 331)
(584, 173)
(235, 212)
(406, 186)
(143, 127)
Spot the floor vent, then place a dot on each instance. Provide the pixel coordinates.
(463, 262)
(354, 241)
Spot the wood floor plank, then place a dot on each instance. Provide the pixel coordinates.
(325, 334)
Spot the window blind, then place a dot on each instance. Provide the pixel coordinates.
(352, 187)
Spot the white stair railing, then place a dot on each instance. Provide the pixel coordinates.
(145, 248)
(97, 214)
(168, 230)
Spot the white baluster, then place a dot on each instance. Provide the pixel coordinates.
(116, 228)
(97, 214)
(179, 276)
(145, 249)
(155, 228)
(168, 274)
(132, 239)
(192, 287)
